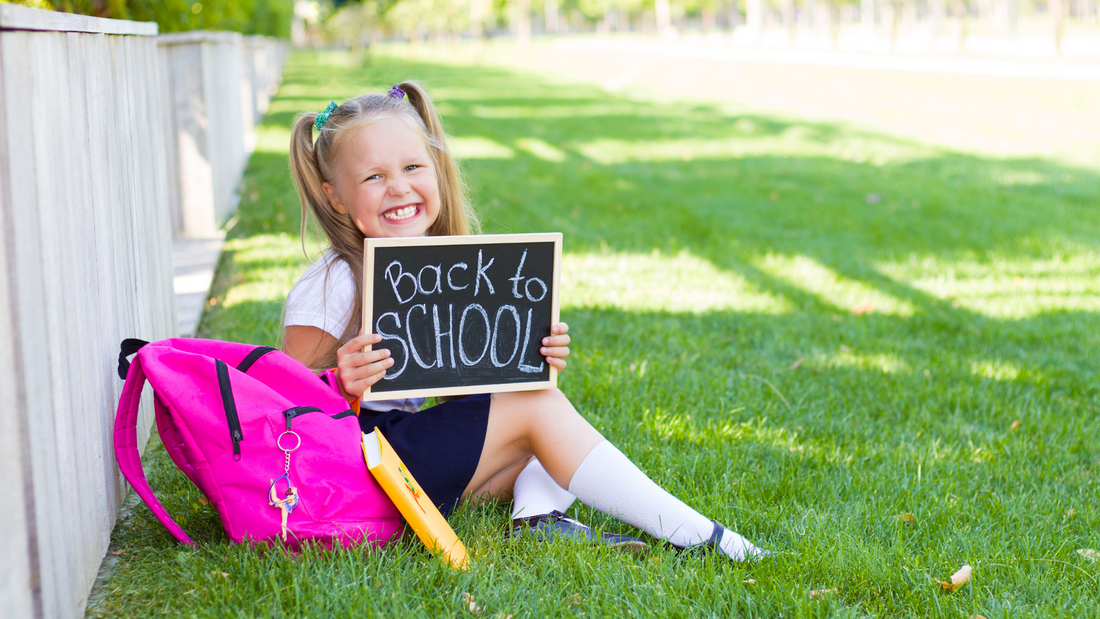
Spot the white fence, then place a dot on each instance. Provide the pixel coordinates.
(217, 86)
(86, 229)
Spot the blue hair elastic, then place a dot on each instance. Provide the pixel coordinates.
(323, 116)
(396, 92)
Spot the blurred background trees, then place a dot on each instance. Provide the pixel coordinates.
(267, 17)
(935, 25)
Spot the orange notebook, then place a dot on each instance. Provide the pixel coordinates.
(424, 517)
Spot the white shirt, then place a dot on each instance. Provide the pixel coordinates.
(324, 298)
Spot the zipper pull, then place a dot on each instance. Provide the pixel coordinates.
(237, 438)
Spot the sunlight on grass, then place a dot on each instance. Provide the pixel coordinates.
(996, 369)
(659, 282)
(1012, 178)
(795, 141)
(477, 147)
(273, 140)
(883, 362)
(843, 293)
(270, 265)
(552, 111)
(541, 149)
(1007, 288)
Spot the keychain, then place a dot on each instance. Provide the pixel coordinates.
(290, 501)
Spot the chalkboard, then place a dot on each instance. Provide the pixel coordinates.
(462, 314)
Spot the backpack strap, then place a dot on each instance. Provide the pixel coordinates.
(129, 347)
(126, 447)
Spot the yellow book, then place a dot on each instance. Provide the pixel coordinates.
(424, 517)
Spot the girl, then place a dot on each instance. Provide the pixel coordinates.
(380, 167)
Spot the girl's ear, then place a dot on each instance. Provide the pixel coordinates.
(334, 199)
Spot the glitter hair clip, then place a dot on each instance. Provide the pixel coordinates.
(323, 116)
(396, 92)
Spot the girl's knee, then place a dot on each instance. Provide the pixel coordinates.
(537, 410)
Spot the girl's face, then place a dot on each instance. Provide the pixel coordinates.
(385, 181)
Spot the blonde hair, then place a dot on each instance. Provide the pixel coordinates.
(313, 163)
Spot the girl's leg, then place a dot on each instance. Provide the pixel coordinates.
(502, 485)
(537, 494)
(545, 424)
(534, 423)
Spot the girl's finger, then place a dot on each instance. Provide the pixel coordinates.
(556, 352)
(559, 329)
(559, 364)
(351, 362)
(556, 340)
(373, 378)
(374, 356)
(359, 343)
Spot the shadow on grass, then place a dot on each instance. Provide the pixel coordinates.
(810, 426)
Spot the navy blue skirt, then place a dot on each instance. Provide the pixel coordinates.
(441, 445)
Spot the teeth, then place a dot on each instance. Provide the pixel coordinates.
(400, 213)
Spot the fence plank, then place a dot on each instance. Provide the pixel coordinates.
(18, 589)
(86, 225)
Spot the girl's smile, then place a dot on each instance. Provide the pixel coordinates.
(385, 181)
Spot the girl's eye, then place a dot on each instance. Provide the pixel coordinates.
(410, 168)
(373, 176)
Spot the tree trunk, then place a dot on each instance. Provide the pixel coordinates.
(867, 17)
(788, 20)
(908, 16)
(963, 10)
(1058, 22)
(938, 14)
(890, 15)
(523, 26)
(551, 10)
(477, 16)
(734, 15)
(834, 22)
(754, 10)
(664, 18)
(709, 19)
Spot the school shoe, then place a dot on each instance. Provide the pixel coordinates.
(749, 551)
(556, 525)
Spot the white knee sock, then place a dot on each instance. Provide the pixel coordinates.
(536, 493)
(609, 482)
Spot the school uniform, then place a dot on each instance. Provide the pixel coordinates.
(441, 444)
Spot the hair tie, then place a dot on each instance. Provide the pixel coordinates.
(396, 92)
(323, 116)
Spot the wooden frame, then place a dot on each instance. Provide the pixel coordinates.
(484, 239)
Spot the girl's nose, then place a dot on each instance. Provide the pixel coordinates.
(398, 187)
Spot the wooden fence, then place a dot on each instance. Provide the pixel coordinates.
(217, 86)
(86, 190)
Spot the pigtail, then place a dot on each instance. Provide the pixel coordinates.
(456, 216)
(306, 171)
(307, 165)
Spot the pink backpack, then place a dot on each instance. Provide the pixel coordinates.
(228, 414)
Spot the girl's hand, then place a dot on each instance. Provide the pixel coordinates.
(556, 347)
(358, 368)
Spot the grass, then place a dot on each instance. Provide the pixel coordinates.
(803, 329)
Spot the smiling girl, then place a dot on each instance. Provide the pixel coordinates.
(379, 166)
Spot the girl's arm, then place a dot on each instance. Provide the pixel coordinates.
(356, 369)
(556, 347)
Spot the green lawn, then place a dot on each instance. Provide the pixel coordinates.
(803, 329)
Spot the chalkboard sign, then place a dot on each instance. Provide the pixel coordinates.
(462, 314)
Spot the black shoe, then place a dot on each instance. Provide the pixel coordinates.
(749, 552)
(555, 525)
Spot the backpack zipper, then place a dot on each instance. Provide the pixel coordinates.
(297, 411)
(230, 407)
